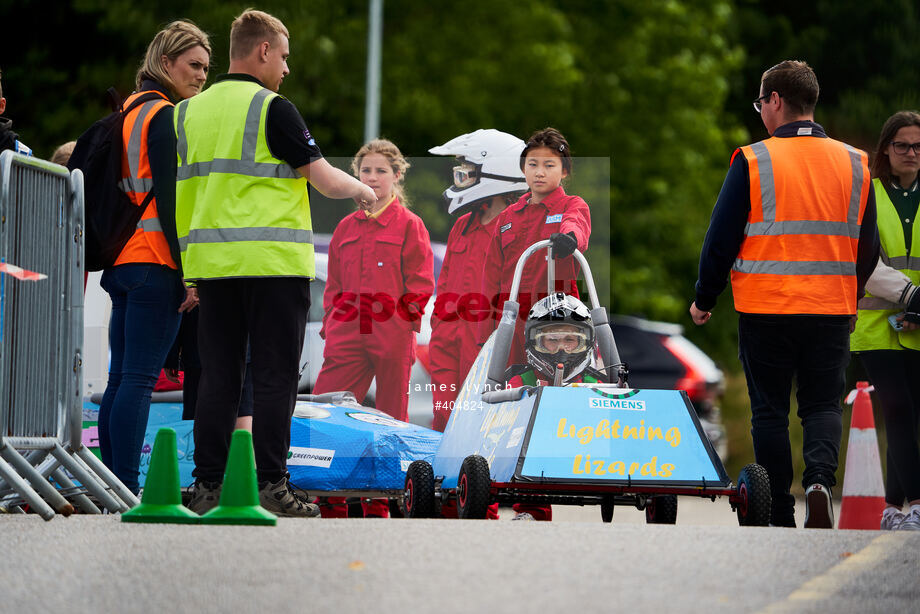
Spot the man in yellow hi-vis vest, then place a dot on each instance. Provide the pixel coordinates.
(245, 156)
(794, 224)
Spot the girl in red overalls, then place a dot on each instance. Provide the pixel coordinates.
(546, 212)
(380, 277)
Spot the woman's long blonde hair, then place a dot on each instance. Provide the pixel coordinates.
(172, 41)
(391, 152)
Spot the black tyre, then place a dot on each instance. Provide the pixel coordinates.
(754, 496)
(661, 509)
(607, 511)
(473, 485)
(418, 496)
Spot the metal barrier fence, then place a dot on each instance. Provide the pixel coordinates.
(41, 339)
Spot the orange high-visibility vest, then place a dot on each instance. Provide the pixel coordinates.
(798, 256)
(147, 244)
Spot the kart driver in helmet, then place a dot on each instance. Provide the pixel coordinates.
(559, 345)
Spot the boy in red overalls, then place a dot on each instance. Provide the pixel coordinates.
(487, 180)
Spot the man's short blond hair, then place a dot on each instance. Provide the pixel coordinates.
(252, 28)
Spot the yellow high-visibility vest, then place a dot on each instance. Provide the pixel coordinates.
(240, 211)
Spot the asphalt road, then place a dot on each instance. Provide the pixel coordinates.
(703, 564)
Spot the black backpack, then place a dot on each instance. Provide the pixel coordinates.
(111, 217)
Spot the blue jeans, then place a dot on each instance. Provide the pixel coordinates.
(145, 319)
(814, 351)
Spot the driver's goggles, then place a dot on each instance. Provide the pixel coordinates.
(568, 342)
(466, 175)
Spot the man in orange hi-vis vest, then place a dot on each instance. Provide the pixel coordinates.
(795, 227)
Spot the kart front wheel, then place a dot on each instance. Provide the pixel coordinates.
(418, 496)
(661, 509)
(473, 487)
(754, 499)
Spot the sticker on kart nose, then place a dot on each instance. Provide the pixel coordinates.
(627, 404)
(310, 457)
(375, 419)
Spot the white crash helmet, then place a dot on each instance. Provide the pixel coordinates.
(489, 166)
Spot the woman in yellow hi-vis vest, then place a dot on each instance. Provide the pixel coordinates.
(887, 335)
(144, 283)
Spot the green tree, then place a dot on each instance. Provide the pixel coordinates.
(862, 52)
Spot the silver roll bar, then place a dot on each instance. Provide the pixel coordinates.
(551, 271)
(505, 330)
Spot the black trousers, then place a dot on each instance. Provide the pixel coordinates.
(813, 351)
(896, 377)
(184, 356)
(271, 313)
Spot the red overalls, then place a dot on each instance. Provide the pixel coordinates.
(455, 320)
(517, 228)
(453, 348)
(380, 277)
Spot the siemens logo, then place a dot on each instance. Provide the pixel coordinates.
(627, 404)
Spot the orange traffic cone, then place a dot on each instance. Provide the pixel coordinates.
(863, 489)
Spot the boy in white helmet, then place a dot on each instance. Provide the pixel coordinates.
(487, 179)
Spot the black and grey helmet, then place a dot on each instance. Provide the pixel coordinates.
(559, 330)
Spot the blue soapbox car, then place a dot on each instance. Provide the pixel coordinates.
(577, 444)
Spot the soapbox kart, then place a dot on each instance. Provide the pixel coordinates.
(577, 444)
(338, 447)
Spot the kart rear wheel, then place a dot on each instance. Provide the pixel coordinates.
(473, 486)
(754, 496)
(418, 496)
(395, 509)
(607, 510)
(661, 509)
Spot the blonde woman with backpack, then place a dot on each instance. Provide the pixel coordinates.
(145, 282)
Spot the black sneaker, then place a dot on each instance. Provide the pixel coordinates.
(819, 513)
(281, 499)
(205, 496)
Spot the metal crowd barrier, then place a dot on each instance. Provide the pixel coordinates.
(41, 341)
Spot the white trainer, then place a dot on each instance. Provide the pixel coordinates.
(523, 516)
(892, 519)
(911, 520)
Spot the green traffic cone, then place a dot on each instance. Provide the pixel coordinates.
(239, 496)
(162, 499)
